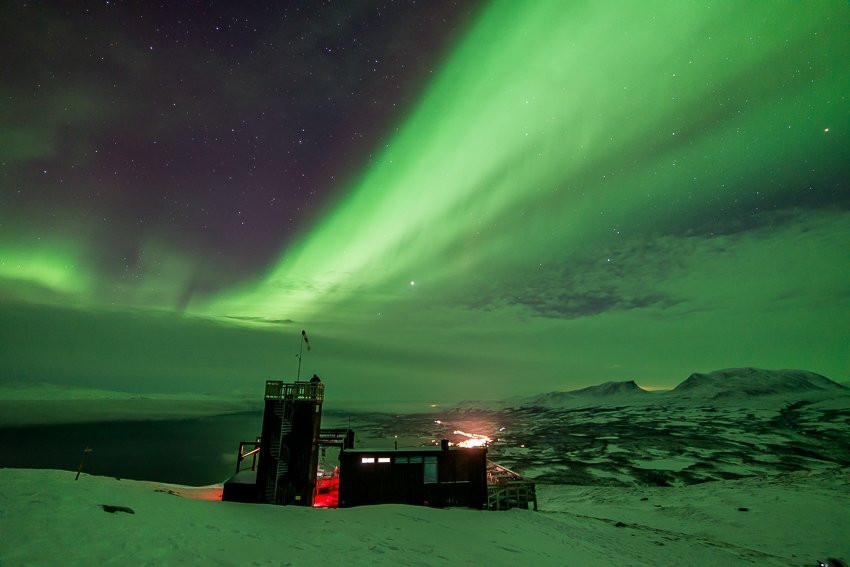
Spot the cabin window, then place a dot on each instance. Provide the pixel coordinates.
(367, 459)
(403, 460)
(383, 459)
(430, 475)
(417, 459)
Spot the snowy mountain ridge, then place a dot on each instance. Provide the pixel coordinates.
(726, 385)
(752, 382)
(611, 389)
(599, 392)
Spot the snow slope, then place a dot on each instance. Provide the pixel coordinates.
(47, 518)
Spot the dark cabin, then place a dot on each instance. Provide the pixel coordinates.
(431, 476)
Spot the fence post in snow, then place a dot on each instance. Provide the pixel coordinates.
(86, 451)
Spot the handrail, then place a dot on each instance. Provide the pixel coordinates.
(252, 453)
(278, 390)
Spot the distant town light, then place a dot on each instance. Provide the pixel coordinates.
(473, 440)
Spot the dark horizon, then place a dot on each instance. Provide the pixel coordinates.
(192, 452)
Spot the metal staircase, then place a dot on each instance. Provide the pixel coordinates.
(279, 452)
(289, 451)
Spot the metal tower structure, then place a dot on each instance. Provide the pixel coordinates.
(289, 453)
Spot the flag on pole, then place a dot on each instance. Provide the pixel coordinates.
(306, 340)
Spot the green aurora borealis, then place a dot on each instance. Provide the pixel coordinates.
(581, 193)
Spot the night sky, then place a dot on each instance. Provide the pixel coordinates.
(454, 199)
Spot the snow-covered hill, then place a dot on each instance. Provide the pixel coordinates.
(611, 389)
(47, 518)
(753, 382)
(605, 393)
(732, 384)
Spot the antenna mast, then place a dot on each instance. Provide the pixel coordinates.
(301, 352)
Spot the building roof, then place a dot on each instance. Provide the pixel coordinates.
(410, 450)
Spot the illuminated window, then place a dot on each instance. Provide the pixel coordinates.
(383, 459)
(430, 475)
(367, 460)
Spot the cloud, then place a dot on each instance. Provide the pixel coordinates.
(771, 259)
(261, 320)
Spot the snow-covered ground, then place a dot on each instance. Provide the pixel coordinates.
(648, 440)
(48, 518)
(602, 457)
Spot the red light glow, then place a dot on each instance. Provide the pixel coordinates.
(327, 491)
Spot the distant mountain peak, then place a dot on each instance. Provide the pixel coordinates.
(609, 392)
(746, 382)
(610, 389)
